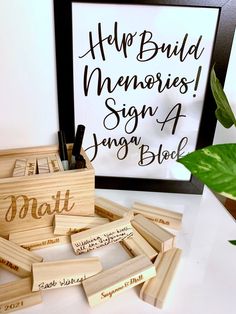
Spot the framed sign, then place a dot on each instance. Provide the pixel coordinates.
(136, 75)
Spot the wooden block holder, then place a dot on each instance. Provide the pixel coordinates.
(28, 202)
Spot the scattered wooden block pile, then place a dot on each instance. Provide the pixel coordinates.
(140, 230)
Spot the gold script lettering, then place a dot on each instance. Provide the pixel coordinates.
(21, 204)
(40, 211)
(66, 202)
(12, 210)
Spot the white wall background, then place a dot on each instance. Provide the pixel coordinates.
(28, 94)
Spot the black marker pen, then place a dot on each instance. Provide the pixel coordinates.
(63, 150)
(76, 156)
(80, 162)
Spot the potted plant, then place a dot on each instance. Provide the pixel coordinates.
(215, 165)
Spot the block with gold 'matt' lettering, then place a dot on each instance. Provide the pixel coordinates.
(17, 259)
(111, 282)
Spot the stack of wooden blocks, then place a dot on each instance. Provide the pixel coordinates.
(57, 207)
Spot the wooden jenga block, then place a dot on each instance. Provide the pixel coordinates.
(103, 235)
(159, 238)
(43, 166)
(67, 224)
(63, 273)
(19, 168)
(137, 245)
(159, 215)
(37, 238)
(17, 259)
(154, 290)
(113, 281)
(54, 163)
(31, 167)
(110, 210)
(17, 295)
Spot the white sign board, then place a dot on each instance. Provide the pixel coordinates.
(140, 75)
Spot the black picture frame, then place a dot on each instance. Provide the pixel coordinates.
(64, 63)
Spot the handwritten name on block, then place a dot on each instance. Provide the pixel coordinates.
(63, 273)
(154, 291)
(113, 281)
(37, 238)
(159, 238)
(17, 259)
(19, 168)
(103, 235)
(17, 295)
(137, 245)
(159, 215)
(110, 210)
(67, 224)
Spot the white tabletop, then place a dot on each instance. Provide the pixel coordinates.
(205, 281)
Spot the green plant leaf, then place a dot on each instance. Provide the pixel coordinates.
(232, 242)
(215, 166)
(224, 113)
